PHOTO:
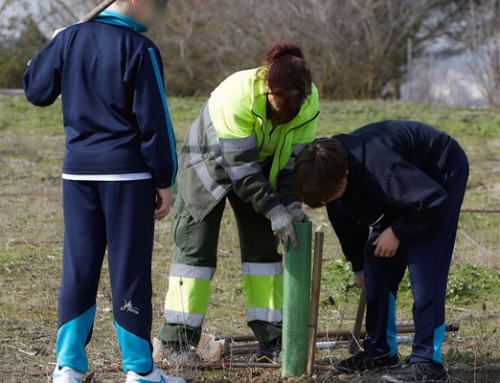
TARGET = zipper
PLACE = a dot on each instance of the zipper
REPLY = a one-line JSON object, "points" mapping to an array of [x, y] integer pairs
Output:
{"points": [[272, 131], [261, 121], [286, 134]]}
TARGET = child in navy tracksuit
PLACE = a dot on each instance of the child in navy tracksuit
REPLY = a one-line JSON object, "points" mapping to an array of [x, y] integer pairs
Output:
{"points": [[405, 180], [119, 165]]}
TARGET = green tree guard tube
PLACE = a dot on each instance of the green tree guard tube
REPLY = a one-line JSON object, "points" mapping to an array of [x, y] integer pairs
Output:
{"points": [[296, 300]]}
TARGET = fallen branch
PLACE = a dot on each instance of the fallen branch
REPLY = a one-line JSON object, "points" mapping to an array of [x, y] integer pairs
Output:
{"points": [[36, 242], [342, 334], [477, 244], [250, 348], [480, 210]]}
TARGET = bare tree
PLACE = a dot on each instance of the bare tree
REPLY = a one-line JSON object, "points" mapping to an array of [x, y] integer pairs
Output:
{"points": [[4, 5], [59, 13], [482, 39], [355, 47]]}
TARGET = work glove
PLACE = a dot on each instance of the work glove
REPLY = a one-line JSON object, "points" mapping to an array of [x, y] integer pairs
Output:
{"points": [[282, 225], [295, 209]]}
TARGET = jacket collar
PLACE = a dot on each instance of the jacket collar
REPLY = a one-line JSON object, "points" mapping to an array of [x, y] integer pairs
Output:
{"points": [[115, 18], [259, 93], [357, 199]]}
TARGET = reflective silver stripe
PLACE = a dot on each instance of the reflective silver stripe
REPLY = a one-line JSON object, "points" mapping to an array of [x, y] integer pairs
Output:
{"points": [[238, 144], [262, 269], [176, 317], [239, 172], [264, 315], [291, 164], [298, 148], [215, 149], [200, 166], [196, 272]]}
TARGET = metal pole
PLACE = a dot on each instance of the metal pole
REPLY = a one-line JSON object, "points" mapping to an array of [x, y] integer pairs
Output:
{"points": [[333, 345]]}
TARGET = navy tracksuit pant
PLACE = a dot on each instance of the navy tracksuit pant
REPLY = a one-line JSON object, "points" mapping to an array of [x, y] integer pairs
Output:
{"points": [[119, 216], [428, 260]]}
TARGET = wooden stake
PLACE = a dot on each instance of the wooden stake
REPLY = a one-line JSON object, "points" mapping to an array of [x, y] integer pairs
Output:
{"points": [[97, 10], [315, 293], [358, 323]]}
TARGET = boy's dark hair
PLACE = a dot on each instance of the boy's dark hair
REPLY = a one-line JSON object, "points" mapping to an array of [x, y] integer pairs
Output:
{"points": [[320, 171]]}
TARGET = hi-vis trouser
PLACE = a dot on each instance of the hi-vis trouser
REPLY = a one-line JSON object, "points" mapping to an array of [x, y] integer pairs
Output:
{"points": [[195, 261]]}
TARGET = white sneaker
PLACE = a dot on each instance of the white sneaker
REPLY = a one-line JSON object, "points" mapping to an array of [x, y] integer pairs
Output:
{"points": [[67, 375], [157, 376]]}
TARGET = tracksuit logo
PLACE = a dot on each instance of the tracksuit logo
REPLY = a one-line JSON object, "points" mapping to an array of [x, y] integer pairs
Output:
{"points": [[129, 307]]}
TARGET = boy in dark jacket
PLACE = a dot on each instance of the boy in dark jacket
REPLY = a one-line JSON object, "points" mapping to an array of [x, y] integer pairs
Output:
{"points": [[406, 181], [119, 165]]}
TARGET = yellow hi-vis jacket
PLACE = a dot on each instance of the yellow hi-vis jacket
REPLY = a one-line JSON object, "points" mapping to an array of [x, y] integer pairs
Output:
{"points": [[232, 145]]}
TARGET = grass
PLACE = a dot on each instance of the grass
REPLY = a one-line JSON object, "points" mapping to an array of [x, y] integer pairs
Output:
{"points": [[31, 228]]}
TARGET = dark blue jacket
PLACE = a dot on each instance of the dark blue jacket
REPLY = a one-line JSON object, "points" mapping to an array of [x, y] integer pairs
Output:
{"points": [[398, 177], [115, 112]]}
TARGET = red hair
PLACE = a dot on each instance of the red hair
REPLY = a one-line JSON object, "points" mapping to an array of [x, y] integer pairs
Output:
{"points": [[289, 79]]}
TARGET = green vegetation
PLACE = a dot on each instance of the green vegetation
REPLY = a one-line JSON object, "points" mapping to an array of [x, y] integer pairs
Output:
{"points": [[20, 118], [20, 40], [467, 285], [31, 152]]}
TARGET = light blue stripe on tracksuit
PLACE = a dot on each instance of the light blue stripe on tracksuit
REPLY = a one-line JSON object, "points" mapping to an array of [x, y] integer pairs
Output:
{"points": [[136, 352], [392, 329], [165, 107], [437, 342], [71, 340]]}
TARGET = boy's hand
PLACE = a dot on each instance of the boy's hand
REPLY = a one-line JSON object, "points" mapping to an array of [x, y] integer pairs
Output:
{"points": [[163, 203], [387, 244], [360, 279]]}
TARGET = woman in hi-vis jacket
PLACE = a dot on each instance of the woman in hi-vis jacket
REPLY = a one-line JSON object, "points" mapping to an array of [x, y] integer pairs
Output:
{"points": [[241, 148]]}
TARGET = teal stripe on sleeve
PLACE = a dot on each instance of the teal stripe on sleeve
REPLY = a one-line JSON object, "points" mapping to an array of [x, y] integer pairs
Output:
{"points": [[171, 135]]}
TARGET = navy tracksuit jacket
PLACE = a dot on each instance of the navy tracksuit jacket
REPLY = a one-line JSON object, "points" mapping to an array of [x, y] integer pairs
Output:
{"points": [[411, 177], [120, 146], [115, 114]]}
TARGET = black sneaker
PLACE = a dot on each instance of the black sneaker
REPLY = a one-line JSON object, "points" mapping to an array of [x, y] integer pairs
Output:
{"points": [[362, 362], [175, 353], [418, 372], [268, 354]]}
